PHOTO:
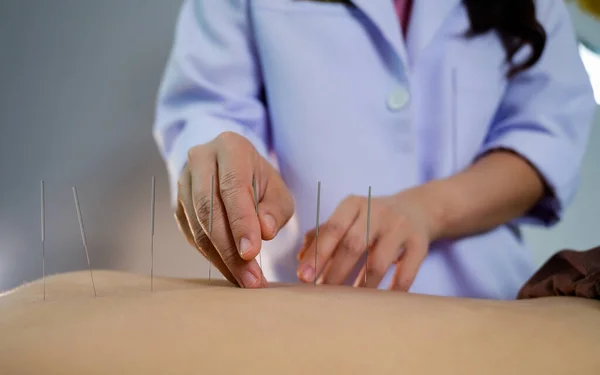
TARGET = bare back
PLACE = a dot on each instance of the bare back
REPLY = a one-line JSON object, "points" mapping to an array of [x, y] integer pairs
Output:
{"points": [[191, 327]]}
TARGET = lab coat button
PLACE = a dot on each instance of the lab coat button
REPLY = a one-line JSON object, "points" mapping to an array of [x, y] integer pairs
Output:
{"points": [[398, 99]]}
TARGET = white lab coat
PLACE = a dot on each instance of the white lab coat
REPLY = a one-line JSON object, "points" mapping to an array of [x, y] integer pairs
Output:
{"points": [[351, 104]]}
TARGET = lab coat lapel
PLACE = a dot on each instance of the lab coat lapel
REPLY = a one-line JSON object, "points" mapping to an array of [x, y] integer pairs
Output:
{"points": [[426, 19], [383, 15]]}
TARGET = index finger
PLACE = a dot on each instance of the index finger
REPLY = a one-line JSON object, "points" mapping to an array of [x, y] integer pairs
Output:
{"points": [[330, 235], [236, 174], [203, 165]]}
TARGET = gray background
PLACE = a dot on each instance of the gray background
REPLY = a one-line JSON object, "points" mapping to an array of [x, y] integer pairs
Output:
{"points": [[77, 85]]}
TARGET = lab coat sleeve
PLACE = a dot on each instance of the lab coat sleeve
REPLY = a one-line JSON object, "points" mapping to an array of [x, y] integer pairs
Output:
{"points": [[546, 115], [211, 83]]}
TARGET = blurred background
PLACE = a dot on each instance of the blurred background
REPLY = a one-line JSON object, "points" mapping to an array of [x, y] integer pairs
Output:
{"points": [[78, 79]]}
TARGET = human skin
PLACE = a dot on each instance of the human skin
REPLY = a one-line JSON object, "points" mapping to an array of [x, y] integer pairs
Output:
{"points": [[497, 188], [191, 327]]}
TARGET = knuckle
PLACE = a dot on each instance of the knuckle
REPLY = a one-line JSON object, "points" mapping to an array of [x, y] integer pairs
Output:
{"points": [[336, 228], [233, 141], [228, 137], [202, 206], [194, 152], [238, 222], [353, 244], [230, 184], [352, 199]]}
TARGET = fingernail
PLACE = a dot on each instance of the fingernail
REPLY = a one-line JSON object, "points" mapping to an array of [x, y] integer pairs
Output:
{"points": [[269, 222], [306, 273], [248, 279], [245, 245]]}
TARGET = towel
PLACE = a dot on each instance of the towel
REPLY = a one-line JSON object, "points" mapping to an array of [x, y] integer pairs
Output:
{"points": [[567, 273]]}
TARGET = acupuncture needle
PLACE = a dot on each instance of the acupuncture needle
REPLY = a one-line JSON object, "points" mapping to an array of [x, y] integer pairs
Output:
{"points": [[317, 229], [152, 215], [82, 230], [368, 229], [43, 203], [210, 222], [256, 209]]}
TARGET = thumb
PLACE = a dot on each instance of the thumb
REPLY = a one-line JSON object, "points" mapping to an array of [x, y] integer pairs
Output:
{"points": [[308, 240], [275, 206]]}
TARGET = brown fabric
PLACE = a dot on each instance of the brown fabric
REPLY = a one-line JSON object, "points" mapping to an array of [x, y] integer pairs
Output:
{"points": [[567, 273]]}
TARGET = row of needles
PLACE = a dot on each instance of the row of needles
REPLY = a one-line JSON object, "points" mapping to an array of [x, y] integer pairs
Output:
{"points": [[210, 227], [83, 236]]}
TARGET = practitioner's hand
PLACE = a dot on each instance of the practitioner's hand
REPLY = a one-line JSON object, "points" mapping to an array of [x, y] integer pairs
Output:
{"points": [[237, 231], [401, 229]]}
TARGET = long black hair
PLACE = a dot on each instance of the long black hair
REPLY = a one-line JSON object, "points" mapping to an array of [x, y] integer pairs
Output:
{"points": [[515, 23]]}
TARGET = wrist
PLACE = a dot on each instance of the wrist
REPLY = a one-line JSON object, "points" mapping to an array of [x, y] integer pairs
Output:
{"points": [[435, 201], [439, 206]]}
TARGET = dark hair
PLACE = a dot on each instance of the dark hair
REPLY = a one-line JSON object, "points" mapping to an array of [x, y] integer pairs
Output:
{"points": [[515, 23]]}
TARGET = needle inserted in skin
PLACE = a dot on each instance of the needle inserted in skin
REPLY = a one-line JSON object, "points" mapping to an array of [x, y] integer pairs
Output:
{"points": [[210, 222], [368, 229], [87, 254], [43, 203], [317, 228], [256, 209], [152, 214]]}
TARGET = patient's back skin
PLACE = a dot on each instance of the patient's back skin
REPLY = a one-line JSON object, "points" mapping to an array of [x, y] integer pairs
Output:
{"points": [[191, 327]]}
